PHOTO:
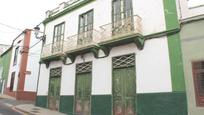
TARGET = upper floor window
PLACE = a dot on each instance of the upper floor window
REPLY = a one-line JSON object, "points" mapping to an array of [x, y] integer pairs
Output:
{"points": [[58, 32], [194, 3], [85, 27], [198, 75], [122, 16], [121, 9], [58, 37], [15, 56]]}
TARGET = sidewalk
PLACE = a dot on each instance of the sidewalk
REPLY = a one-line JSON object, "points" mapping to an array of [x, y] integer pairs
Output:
{"points": [[26, 107], [6, 97], [33, 110]]}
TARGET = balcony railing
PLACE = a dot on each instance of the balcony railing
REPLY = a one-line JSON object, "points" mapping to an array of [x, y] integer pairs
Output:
{"points": [[122, 28], [82, 40], [52, 49], [63, 6]]}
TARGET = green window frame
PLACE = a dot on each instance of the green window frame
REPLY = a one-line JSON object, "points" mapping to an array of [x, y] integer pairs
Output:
{"points": [[85, 27], [121, 9], [59, 32], [58, 37]]}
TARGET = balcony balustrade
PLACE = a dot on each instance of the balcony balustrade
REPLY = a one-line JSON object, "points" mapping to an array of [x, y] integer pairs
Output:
{"points": [[82, 40], [123, 28], [52, 49], [63, 6]]}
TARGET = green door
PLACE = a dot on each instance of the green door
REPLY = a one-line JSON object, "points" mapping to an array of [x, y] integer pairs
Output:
{"points": [[83, 93], [54, 89], [124, 86], [54, 93]]}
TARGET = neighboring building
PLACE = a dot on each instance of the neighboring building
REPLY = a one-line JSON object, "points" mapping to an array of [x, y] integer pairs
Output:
{"points": [[120, 57], [23, 72], [3, 48], [192, 37], [5, 58]]}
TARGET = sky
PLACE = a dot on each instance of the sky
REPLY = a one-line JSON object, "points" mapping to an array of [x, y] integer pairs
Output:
{"points": [[22, 14]]}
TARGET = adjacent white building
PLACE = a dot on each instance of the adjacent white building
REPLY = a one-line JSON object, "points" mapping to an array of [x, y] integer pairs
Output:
{"points": [[192, 39], [23, 71]]}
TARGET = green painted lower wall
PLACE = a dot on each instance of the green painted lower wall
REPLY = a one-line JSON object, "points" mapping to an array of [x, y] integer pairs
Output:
{"points": [[41, 101], [172, 103], [162, 104], [101, 105], [66, 104]]}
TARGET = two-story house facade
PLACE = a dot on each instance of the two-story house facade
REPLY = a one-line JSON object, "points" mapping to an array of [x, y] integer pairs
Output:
{"points": [[112, 57], [23, 67]]}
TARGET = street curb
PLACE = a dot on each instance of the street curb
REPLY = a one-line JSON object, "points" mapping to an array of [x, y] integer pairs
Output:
{"points": [[22, 111]]}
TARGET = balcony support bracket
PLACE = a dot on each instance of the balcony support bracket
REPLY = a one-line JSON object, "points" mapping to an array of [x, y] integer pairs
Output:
{"points": [[95, 50], [139, 42], [100, 51], [47, 63], [68, 59]]}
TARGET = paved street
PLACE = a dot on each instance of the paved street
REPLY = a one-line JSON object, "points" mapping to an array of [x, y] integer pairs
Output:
{"points": [[7, 104], [7, 110]]}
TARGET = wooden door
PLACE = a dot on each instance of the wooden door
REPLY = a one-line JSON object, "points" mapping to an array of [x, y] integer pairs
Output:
{"points": [[83, 89], [54, 89], [124, 87], [54, 93], [12, 81], [83, 93]]}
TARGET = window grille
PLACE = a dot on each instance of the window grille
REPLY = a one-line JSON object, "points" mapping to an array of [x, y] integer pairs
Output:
{"points": [[56, 72], [123, 61], [84, 67]]}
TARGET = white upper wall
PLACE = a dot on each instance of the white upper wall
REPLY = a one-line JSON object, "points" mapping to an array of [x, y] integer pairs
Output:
{"points": [[187, 11], [151, 12], [152, 65]]}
